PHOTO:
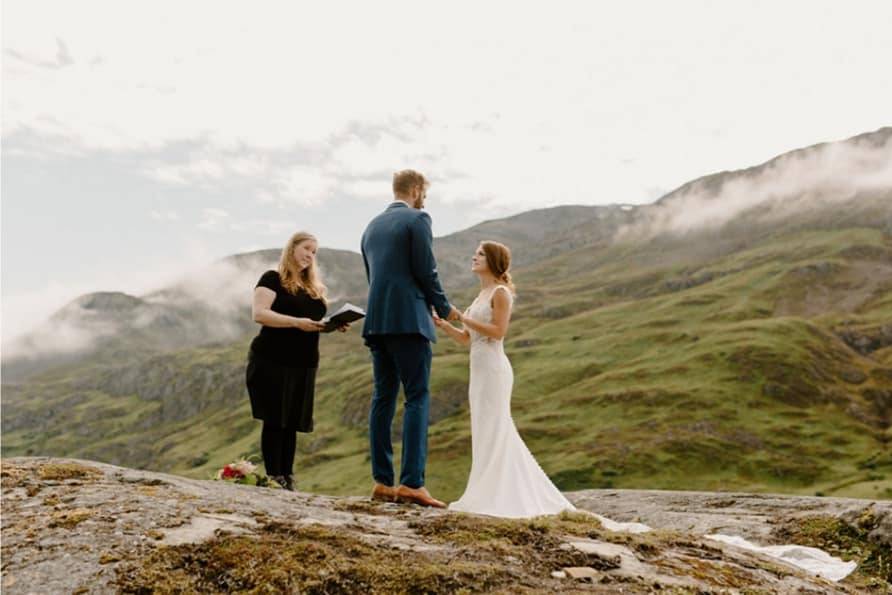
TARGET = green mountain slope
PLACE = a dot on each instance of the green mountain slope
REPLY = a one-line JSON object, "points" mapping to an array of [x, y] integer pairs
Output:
{"points": [[766, 369]]}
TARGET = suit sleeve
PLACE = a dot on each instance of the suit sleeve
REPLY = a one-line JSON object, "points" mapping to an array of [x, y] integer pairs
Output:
{"points": [[365, 261], [424, 265]]}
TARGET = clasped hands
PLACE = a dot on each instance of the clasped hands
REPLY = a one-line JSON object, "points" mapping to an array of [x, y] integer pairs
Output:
{"points": [[454, 315]]}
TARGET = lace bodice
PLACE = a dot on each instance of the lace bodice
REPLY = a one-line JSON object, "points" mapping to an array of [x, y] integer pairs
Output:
{"points": [[481, 310]]}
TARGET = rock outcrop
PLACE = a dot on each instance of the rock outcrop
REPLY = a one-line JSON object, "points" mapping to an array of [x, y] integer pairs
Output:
{"points": [[81, 527]]}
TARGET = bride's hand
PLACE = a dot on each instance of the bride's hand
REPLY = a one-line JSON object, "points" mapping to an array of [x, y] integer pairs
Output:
{"points": [[443, 324]]}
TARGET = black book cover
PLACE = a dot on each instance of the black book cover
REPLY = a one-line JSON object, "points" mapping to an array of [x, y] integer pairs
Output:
{"points": [[345, 314]]}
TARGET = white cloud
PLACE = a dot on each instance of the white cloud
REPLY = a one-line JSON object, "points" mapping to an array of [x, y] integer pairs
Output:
{"points": [[549, 110], [212, 219], [372, 189], [209, 167], [247, 165], [303, 185], [168, 174], [198, 171], [264, 227], [165, 215]]}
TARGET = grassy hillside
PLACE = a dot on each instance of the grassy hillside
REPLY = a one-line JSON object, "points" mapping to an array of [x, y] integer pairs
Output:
{"points": [[766, 368]]}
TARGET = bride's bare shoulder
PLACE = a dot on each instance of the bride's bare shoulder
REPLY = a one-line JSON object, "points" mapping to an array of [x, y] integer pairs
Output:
{"points": [[506, 297], [507, 292]]}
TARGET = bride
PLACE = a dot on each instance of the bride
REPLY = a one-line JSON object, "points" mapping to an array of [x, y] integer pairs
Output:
{"points": [[505, 480]]}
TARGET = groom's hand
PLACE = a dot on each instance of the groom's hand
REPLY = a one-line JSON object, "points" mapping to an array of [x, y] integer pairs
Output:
{"points": [[454, 314]]}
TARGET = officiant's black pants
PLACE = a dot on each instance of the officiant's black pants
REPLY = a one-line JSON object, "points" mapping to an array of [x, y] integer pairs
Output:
{"points": [[278, 446]]}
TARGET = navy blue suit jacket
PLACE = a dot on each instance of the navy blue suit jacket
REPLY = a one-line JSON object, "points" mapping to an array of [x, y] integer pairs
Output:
{"points": [[397, 250]]}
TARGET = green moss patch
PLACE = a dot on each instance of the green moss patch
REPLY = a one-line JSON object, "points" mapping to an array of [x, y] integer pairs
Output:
{"points": [[308, 559], [540, 544], [486, 554], [70, 518], [465, 529], [63, 471], [12, 475]]}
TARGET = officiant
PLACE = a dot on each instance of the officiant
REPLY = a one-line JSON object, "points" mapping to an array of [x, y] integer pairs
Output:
{"points": [[289, 303]]}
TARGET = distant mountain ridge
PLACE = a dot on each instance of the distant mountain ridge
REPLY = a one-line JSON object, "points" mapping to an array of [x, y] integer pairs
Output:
{"points": [[211, 304]]}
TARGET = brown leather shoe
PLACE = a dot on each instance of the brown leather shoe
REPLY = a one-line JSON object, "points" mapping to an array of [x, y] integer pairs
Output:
{"points": [[419, 496], [383, 493]]}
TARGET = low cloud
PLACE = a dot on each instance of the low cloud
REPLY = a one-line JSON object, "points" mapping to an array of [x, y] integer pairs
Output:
{"points": [[212, 302], [800, 182], [224, 285], [25, 311]]}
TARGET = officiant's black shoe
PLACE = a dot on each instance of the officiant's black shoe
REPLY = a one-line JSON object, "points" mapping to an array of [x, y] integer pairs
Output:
{"points": [[289, 483], [383, 493], [419, 496]]}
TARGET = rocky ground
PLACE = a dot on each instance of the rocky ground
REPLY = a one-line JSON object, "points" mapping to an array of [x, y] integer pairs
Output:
{"points": [[82, 527]]}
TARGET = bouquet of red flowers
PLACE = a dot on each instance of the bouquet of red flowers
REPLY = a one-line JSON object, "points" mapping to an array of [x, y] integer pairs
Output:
{"points": [[244, 472]]}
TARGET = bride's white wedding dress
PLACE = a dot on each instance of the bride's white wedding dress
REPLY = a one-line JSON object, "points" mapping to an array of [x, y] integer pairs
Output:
{"points": [[505, 480]]}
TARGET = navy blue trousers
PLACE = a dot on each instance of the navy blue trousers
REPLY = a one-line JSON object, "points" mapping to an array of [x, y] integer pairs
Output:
{"points": [[406, 360]]}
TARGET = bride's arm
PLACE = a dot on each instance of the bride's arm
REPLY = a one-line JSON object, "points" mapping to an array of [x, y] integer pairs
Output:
{"points": [[461, 336], [501, 317]]}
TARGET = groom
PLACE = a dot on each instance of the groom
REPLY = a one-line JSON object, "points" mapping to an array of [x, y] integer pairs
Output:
{"points": [[398, 329]]}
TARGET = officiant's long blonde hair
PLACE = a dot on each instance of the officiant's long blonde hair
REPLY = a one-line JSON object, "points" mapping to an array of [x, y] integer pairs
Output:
{"points": [[293, 279]]}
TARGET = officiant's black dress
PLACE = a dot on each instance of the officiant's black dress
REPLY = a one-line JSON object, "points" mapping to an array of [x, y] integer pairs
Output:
{"points": [[282, 362]]}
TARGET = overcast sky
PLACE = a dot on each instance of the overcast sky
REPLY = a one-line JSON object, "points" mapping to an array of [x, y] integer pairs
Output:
{"points": [[142, 140]]}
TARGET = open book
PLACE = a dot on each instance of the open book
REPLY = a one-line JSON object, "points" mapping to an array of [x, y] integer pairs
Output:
{"points": [[346, 313]]}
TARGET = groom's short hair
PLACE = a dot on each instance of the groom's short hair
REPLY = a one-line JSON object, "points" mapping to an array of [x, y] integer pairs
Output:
{"points": [[404, 181]]}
